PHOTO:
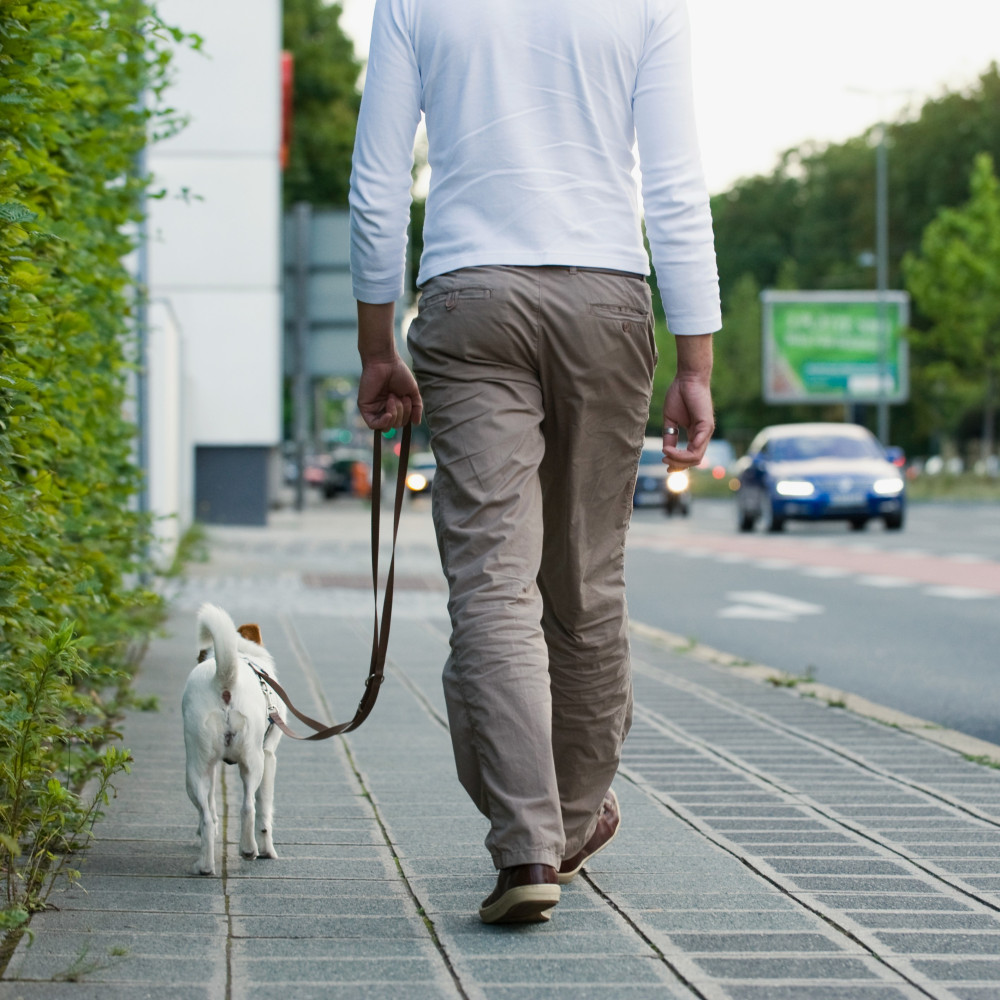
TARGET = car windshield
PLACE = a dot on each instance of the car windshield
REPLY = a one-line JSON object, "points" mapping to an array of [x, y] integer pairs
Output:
{"points": [[799, 449]]}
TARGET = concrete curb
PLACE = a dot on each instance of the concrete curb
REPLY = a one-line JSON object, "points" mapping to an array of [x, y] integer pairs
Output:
{"points": [[971, 747]]}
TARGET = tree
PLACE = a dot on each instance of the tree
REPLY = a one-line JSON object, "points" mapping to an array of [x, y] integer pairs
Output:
{"points": [[737, 376], [325, 104], [955, 282]]}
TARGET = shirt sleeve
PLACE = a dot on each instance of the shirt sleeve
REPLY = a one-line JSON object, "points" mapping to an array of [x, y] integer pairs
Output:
{"points": [[675, 197], [383, 159]]}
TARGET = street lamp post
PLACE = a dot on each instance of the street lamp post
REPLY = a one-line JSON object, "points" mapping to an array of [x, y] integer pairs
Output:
{"points": [[882, 253], [882, 277]]}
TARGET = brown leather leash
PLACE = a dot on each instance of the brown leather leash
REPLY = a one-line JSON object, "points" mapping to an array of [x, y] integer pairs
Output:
{"points": [[380, 637]]}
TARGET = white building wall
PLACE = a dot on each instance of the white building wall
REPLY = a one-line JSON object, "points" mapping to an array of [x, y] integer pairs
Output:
{"points": [[168, 481], [214, 240]]}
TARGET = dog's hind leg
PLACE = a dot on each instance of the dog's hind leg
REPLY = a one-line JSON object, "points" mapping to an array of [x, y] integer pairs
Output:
{"points": [[252, 773], [265, 806], [212, 799], [199, 788]]}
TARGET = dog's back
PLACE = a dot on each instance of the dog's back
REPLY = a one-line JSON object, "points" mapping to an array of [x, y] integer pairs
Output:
{"points": [[218, 700]]}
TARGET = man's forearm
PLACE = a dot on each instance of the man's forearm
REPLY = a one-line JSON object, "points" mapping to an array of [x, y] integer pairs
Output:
{"points": [[694, 356], [376, 336]]}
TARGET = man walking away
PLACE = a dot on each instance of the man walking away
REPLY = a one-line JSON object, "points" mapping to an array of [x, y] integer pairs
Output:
{"points": [[534, 354]]}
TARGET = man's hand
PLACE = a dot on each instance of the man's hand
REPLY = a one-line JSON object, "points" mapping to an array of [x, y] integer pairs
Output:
{"points": [[388, 395], [387, 391], [688, 403]]}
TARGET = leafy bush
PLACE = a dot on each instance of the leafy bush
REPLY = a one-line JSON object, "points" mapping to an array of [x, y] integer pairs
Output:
{"points": [[77, 78]]}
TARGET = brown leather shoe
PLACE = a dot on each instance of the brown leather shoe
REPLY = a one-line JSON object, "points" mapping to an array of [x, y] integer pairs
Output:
{"points": [[523, 894], [608, 824]]}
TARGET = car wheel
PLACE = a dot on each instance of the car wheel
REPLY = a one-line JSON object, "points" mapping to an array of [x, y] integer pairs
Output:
{"points": [[858, 523], [894, 521]]}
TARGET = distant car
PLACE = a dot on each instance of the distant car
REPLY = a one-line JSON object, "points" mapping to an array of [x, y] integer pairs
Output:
{"points": [[819, 471], [421, 474], [655, 487], [339, 472], [719, 459]]}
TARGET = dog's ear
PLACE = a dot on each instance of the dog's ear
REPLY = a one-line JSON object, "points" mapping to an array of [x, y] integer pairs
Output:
{"points": [[251, 633]]}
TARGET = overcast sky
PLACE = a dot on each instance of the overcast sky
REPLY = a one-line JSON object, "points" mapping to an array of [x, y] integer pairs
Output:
{"points": [[773, 74]]}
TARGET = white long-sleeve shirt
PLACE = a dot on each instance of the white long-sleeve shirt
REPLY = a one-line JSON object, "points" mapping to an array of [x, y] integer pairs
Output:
{"points": [[533, 109]]}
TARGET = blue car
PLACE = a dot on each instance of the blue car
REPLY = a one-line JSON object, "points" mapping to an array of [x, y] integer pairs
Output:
{"points": [[813, 472]]}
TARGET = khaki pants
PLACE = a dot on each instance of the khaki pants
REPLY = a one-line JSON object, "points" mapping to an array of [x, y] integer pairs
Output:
{"points": [[536, 384]]}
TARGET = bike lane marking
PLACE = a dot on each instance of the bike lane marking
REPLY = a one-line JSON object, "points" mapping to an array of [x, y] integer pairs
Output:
{"points": [[953, 575]]}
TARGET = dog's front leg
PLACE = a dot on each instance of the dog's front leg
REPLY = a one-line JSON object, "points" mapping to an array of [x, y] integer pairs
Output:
{"points": [[251, 773], [265, 806]]}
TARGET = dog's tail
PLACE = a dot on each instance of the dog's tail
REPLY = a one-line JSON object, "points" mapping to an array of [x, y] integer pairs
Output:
{"points": [[216, 628]]}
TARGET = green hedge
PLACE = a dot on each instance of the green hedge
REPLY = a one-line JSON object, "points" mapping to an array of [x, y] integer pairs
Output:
{"points": [[79, 92]]}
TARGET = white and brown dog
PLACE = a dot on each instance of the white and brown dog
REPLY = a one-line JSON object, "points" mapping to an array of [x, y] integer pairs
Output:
{"points": [[226, 719]]}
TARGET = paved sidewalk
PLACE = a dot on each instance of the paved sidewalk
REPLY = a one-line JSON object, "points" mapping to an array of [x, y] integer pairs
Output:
{"points": [[773, 847]]}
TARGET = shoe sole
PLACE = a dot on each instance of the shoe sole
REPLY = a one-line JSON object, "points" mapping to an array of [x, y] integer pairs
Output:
{"points": [[524, 904], [566, 877]]}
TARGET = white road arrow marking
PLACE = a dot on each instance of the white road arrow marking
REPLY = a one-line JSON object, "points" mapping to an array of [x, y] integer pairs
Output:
{"points": [[759, 605]]}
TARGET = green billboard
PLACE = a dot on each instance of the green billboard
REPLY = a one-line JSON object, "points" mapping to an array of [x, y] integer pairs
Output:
{"points": [[835, 347]]}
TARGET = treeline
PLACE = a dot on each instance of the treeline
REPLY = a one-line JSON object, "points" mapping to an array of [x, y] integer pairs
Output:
{"points": [[811, 225]]}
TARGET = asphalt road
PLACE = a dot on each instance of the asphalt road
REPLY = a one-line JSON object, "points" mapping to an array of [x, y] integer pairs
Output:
{"points": [[909, 619]]}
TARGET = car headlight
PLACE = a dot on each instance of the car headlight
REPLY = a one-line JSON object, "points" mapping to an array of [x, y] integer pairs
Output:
{"points": [[677, 482], [888, 487], [794, 488], [416, 481]]}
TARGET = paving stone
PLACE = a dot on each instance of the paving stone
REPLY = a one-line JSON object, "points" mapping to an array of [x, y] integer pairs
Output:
{"points": [[327, 927], [926, 921], [671, 921], [910, 902], [751, 943], [607, 970], [817, 991], [986, 970], [627, 991], [784, 968], [827, 866], [847, 883], [322, 989], [100, 991], [340, 970], [919, 943]]}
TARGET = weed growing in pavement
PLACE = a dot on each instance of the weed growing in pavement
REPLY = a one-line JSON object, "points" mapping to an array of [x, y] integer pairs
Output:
{"points": [[793, 680], [984, 759], [80, 967], [784, 680]]}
